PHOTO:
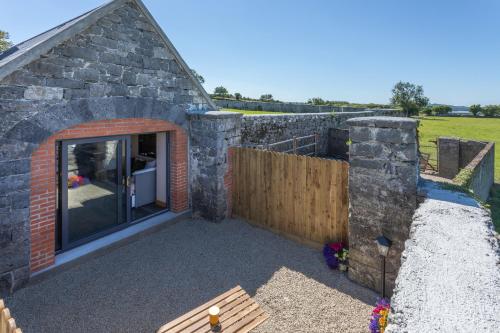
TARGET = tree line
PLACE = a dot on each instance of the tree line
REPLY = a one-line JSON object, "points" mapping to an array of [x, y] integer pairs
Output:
{"points": [[406, 96]]}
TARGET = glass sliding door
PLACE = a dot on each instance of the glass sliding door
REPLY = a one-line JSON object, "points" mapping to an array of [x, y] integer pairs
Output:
{"points": [[94, 191], [106, 184]]}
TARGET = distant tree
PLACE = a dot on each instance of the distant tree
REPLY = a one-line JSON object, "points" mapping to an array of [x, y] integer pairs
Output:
{"points": [[316, 101], [475, 109], [4, 41], [221, 91], [266, 97], [427, 111], [491, 110], [409, 97], [200, 78], [441, 109], [237, 96]]}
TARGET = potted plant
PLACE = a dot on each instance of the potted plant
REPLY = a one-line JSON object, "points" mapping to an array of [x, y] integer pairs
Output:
{"points": [[342, 256], [378, 322], [336, 255]]}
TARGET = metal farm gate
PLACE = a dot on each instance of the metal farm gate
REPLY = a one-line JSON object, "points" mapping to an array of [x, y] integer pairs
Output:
{"points": [[302, 197]]}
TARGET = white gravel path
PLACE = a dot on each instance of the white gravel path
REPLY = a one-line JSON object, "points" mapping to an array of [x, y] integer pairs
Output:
{"points": [[145, 284]]}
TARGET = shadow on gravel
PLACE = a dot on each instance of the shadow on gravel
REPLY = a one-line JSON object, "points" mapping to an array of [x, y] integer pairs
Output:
{"points": [[439, 191], [145, 284]]}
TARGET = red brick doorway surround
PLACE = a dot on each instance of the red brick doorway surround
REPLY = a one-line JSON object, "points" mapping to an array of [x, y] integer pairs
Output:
{"points": [[43, 196]]}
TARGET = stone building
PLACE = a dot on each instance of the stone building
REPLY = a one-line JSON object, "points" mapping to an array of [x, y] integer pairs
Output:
{"points": [[103, 126]]}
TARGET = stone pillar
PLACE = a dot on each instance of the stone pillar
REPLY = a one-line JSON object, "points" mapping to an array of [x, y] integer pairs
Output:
{"points": [[448, 157], [383, 178], [212, 133]]}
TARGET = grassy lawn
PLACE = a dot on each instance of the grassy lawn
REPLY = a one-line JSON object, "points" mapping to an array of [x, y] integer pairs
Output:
{"points": [[468, 128], [247, 112]]}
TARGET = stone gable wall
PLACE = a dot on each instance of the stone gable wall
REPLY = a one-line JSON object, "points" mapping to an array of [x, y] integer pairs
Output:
{"points": [[120, 55], [119, 68]]}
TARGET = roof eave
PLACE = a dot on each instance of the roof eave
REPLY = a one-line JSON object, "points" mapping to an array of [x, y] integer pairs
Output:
{"points": [[45, 46]]}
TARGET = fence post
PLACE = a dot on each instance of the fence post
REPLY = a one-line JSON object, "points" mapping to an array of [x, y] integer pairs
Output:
{"points": [[448, 156], [383, 177]]}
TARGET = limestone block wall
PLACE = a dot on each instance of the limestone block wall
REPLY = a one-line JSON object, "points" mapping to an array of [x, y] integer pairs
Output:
{"points": [[275, 106], [212, 135], [483, 172], [383, 176], [120, 55], [262, 129], [282, 106], [474, 157]]}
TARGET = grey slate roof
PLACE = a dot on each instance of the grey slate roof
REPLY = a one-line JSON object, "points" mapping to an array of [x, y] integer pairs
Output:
{"points": [[17, 50], [31, 49]]}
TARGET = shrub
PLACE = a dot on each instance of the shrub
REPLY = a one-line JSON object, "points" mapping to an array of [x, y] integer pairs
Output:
{"points": [[237, 96]]}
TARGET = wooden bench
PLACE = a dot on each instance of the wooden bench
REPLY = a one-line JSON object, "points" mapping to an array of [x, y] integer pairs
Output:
{"points": [[7, 323], [238, 314]]}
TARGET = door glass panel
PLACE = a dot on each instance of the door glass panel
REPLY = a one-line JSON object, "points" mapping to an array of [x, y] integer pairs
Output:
{"points": [[95, 188]]}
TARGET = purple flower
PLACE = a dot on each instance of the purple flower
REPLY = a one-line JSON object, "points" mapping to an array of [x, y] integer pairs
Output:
{"points": [[384, 302], [374, 324], [331, 260]]}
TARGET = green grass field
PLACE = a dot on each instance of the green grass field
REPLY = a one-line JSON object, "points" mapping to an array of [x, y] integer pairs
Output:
{"points": [[482, 129], [252, 112]]}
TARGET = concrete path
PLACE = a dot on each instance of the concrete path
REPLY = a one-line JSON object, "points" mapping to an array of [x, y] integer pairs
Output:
{"points": [[450, 277], [143, 285]]}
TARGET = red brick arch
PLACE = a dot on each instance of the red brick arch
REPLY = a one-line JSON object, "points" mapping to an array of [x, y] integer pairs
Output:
{"points": [[44, 177]]}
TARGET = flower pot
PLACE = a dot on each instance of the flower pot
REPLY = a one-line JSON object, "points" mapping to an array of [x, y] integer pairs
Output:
{"points": [[343, 267]]}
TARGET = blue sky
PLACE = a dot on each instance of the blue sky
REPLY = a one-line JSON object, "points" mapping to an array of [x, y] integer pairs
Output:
{"points": [[339, 50]]}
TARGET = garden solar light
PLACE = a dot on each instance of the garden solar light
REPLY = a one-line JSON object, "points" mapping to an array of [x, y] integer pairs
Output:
{"points": [[383, 245]]}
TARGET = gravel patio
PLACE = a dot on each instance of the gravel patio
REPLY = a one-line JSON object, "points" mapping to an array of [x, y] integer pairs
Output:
{"points": [[149, 282]]}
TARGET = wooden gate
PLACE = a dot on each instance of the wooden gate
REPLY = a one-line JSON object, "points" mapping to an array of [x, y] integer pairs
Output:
{"points": [[302, 197]]}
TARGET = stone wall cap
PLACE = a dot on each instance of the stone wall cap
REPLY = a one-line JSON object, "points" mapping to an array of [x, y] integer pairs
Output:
{"points": [[297, 115], [383, 122], [213, 114]]}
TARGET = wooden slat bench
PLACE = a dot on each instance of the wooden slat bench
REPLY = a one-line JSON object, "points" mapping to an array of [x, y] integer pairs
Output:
{"points": [[7, 323], [238, 314]]}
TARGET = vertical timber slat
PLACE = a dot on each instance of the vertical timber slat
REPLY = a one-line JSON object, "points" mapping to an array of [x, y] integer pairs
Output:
{"points": [[299, 196]]}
